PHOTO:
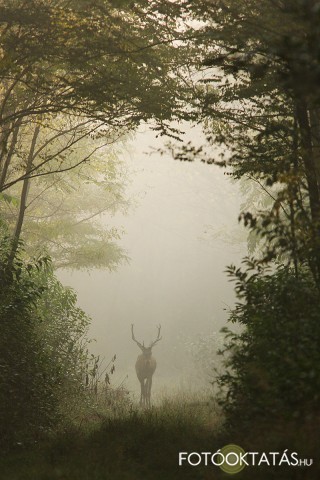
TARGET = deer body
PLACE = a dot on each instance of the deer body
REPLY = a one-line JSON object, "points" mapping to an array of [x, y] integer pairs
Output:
{"points": [[145, 368]]}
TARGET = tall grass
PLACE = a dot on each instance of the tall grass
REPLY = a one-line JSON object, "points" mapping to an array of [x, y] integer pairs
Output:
{"points": [[131, 443]]}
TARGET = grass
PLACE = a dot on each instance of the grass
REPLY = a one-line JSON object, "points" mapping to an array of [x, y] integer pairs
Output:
{"points": [[137, 445]]}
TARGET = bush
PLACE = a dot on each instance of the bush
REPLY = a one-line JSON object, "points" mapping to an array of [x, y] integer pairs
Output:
{"points": [[27, 397], [43, 354], [62, 329], [273, 364]]}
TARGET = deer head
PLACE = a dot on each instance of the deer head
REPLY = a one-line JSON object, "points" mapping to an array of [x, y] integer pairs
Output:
{"points": [[147, 351]]}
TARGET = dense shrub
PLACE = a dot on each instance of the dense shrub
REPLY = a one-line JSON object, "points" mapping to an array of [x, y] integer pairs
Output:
{"points": [[43, 351], [273, 363], [27, 399], [62, 328]]}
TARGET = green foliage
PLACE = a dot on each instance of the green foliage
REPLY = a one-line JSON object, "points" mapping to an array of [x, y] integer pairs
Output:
{"points": [[43, 351], [8, 199], [259, 100], [66, 212], [62, 328], [74, 79], [273, 364], [27, 397], [97, 59]]}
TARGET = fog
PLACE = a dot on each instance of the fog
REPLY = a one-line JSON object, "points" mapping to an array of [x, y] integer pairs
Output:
{"points": [[180, 235]]}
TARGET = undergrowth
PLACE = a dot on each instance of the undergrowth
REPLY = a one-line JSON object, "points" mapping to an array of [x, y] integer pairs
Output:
{"points": [[138, 444]]}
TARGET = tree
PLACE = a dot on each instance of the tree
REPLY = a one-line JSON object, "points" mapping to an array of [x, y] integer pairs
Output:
{"points": [[96, 69], [259, 100], [59, 208], [106, 61], [257, 106]]}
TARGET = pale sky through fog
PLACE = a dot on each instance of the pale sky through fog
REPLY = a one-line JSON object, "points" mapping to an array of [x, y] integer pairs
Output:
{"points": [[180, 237]]}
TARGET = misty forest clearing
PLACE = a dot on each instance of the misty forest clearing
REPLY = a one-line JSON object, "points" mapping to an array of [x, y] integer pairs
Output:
{"points": [[159, 239]]}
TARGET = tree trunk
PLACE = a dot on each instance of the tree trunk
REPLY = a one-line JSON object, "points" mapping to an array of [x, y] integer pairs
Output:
{"points": [[315, 138], [310, 154], [6, 163], [23, 199], [4, 137]]}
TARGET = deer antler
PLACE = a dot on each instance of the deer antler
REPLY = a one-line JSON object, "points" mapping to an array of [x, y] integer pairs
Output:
{"points": [[133, 338], [158, 337]]}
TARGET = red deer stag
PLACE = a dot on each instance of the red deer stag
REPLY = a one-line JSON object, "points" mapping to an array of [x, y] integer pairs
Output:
{"points": [[145, 368]]}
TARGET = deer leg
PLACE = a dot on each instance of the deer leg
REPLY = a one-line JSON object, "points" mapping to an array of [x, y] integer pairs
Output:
{"points": [[146, 392], [142, 395], [149, 385]]}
